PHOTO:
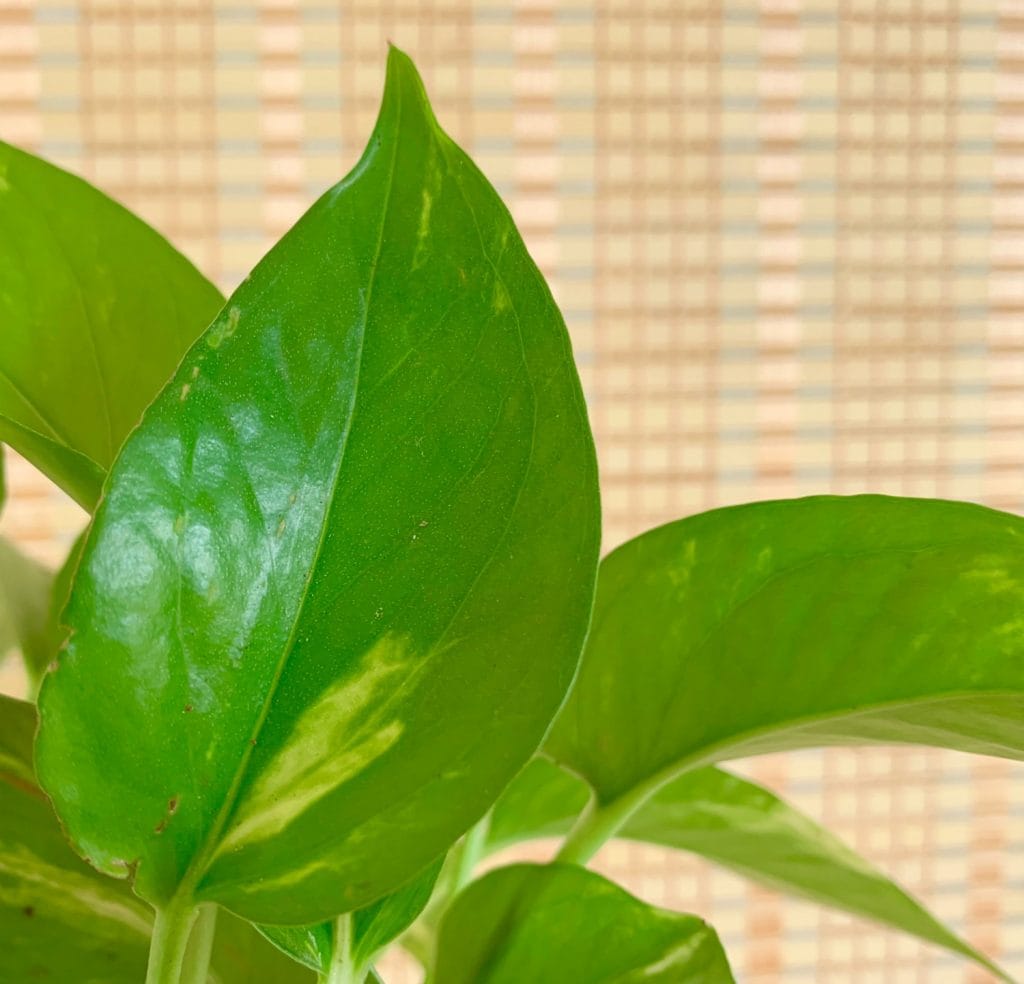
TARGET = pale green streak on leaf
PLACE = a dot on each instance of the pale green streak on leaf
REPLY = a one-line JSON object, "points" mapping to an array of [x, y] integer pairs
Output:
{"points": [[786, 624], [96, 310], [62, 921], [351, 725], [25, 877], [561, 923], [734, 823], [357, 450]]}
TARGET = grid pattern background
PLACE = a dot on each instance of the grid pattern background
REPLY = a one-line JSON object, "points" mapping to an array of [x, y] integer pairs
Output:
{"points": [[787, 237]]}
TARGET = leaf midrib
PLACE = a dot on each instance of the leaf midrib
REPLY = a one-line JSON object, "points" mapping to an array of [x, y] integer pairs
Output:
{"points": [[208, 847]]}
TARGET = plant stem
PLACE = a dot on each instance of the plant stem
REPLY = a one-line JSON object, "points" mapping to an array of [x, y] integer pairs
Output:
{"points": [[200, 946], [170, 940], [343, 969], [599, 823]]}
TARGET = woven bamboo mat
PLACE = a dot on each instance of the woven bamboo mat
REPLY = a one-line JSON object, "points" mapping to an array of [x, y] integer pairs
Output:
{"points": [[788, 239]]}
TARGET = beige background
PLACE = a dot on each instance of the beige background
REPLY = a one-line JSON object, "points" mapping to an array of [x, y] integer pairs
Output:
{"points": [[788, 239]]}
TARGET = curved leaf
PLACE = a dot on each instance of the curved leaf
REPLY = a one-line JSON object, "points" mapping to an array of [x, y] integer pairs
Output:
{"points": [[371, 928], [346, 561], [96, 310], [60, 920], [807, 622], [737, 824], [563, 923]]}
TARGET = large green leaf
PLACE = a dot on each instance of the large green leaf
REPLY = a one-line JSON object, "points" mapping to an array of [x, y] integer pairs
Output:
{"points": [[366, 931], [340, 576], [559, 923], [736, 824], [96, 310], [806, 622], [62, 921]]}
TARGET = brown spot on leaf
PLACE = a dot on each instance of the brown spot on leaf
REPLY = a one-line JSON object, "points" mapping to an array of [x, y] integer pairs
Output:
{"points": [[188, 708], [29, 911]]}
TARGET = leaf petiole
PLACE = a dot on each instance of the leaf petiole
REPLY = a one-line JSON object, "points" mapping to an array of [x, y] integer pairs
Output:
{"points": [[171, 931], [200, 946], [344, 969], [599, 823]]}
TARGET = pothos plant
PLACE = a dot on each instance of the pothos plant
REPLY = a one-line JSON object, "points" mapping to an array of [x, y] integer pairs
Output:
{"points": [[319, 653]]}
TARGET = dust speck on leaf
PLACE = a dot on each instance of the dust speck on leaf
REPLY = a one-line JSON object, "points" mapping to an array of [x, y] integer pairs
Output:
{"points": [[185, 391]]}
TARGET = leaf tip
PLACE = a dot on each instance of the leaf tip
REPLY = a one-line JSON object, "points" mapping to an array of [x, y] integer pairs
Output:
{"points": [[404, 84]]}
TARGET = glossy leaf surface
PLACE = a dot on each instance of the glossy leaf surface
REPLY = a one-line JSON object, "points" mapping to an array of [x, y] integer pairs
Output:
{"points": [[735, 823], [806, 622], [565, 925], [96, 310], [62, 921], [356, 539], [372, 928]]}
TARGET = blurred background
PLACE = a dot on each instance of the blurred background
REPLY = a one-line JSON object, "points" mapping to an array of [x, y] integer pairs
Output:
{"points": [[788, 240]]}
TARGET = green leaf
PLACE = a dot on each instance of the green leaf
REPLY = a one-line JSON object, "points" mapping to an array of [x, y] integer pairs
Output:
{"points": [[242, 956], [96, 310], [563, 923], [371, 929], [311, 946], [346, 561], [786, 624], [376, 925], [60, 920], [737, 824], [25, 607]]}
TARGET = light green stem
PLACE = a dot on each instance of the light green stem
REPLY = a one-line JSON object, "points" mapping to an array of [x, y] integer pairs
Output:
{"points": [[599, 823], [344, 969], [171, 931], [200, 945]]}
